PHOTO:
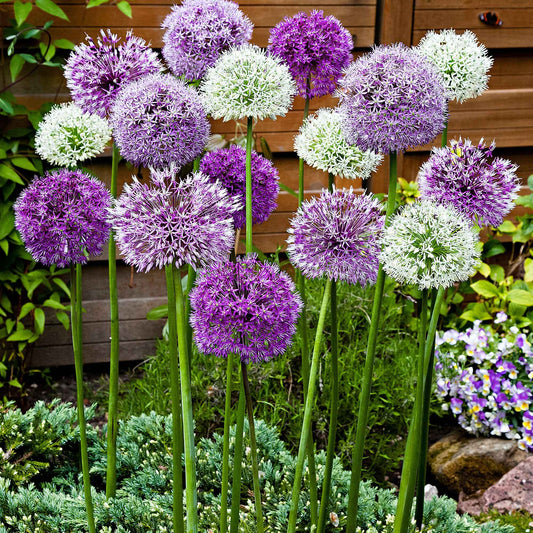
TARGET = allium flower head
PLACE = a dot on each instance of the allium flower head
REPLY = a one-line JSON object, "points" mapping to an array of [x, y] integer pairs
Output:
{"points": [[158, 120], [314, 47], [336, 235], [246, 307], [429, 245], [462, 61], [198, 31], [246, 82], [392, 98], [61, 217], [67, 135], [228, 166], [321, 144], [173, 222], [481, 187], [96, 71]]}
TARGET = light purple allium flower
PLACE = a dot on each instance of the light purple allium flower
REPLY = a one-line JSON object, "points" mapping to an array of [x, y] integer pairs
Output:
{"points": [[336, 235], [229, 167], [247, 307], [314, 47], [61, 217], [392, 98], [158, 120], [96, 71], [174, 222], [480, 186], [198, 31]]}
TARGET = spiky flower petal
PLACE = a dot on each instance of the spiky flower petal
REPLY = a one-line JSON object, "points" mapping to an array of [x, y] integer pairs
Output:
{"points": [[314, 47], [246, 307], [96, 71], [67, 136], [391, 99], [336, 235], [246, 82], [61, 217], [462, 61], [483, 188], [174, 222], [228, 166], [158, 120], [198, 31], [321, 144], [429, 245]]}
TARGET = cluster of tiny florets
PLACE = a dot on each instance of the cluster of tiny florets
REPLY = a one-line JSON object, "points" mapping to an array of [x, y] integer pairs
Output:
{"points": [[315, 47], [462, 61], [228, 166], [247, 307], [198, 31], [336, 235], [67, 135], [174, 222], [158, 120], [62, 217], [321, 144], [97, 71], [392, 99], [246, 82], [429, 245], [480, 186]]}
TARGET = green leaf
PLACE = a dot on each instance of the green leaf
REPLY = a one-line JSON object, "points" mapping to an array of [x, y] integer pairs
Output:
{"points": [[530, 182], [6, 106], [288, 189], [520, 297], [63, 318], [22, 10], [125, 7], [528, 270], [161, 311], [526, 201], [60, 283], [65, 44], [497, 273], [26, 308], [492, 247], [23, 162], [486, 289], [7, 224], [47, 52], [50, 7], [506, 227], [8, 173], [39, 320], [475, 312], [29, 58], [516, 311], [4, 245], [521, 236], [20, 335], [484, 269], [15, 66], [95, 3], [54, 304], [14, 383]]}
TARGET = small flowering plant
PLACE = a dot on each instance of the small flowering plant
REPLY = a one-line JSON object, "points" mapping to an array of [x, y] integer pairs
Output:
{"points": [[485, 377]]}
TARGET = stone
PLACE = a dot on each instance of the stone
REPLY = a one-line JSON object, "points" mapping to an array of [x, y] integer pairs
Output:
{"points": [[465, 464]]}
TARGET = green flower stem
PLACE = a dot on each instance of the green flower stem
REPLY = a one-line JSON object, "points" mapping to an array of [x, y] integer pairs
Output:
{"points": [[309, 401], [249, 222], [237, 463], [364, 395], [76, 327], [412, 450], [334, 402], [253, 447], [177, 432], [196, 164], [444, 137], [112, 415], [225, 449], [191, 278]]}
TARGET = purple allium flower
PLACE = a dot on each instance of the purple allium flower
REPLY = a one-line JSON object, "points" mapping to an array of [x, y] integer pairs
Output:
{"points": [[480, 186], [174, 222], [336, 235], [198, 31], [158, 120], [96, 71], [392, 99], [314, 47], [228, 166], [61, 217], [246, 307]]}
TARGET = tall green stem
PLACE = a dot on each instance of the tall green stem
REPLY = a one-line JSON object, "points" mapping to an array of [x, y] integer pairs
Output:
{"points": [[177, 433], [444, 137], [112, 415], [334, 402], [364, 395], [412, 450], [306, 425], [76, 327], [249, 221], [253, 447]]}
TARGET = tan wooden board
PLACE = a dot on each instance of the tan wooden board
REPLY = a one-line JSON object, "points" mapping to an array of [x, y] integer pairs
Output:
{"points": [[460, 19], [491, 5], [495, 37]]}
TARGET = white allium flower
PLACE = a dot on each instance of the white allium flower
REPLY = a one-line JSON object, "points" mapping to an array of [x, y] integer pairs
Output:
{"points": [[67, 135], [320, 143], [462, 61], [429, 245], [246, 82]]}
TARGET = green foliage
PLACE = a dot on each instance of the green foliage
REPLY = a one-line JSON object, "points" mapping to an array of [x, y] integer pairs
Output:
{"points": [[520, 520]]}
